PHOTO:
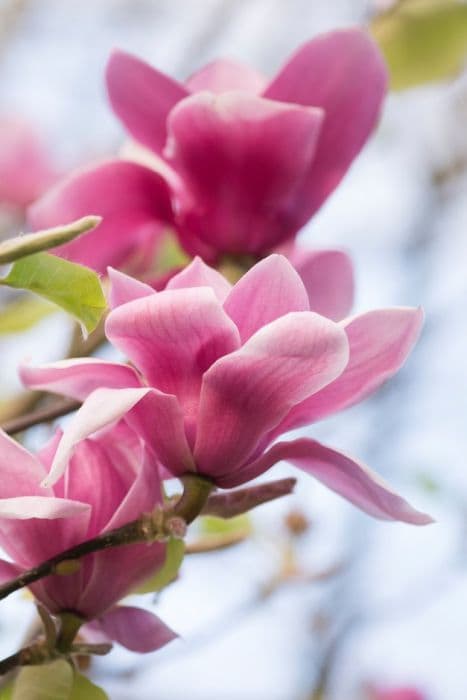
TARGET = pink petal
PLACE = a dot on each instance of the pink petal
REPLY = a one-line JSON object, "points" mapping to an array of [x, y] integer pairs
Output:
{"points": [[245, 394], [344, 73], [380, 342], [267, 291], [78, 378], [92, 478], [41, 507], [223, 75], [328, 278], [142, 98], [124, 288], [8, 571], [136, 629], [123, 569], [103, 407], [198, 274], [21, 471], [133, 200], [173, 337], [34, 528], [155, 416], [352, 480], [241, 157]]}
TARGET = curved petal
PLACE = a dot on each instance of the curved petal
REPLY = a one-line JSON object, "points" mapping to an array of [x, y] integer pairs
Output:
{"points": [[126, 568], [8, 571], [133, 201], [41, 507], [173, 337], [344, 73], [155, 416], [142, 97], [350, 479], [198, 274], [241, 158], [78, 378], [35, 528], [224, 75], [380, 342], [136, 629], [328, 278], [269, 290], [245, 394], [124, 288], [92, 478], [21, 471]]}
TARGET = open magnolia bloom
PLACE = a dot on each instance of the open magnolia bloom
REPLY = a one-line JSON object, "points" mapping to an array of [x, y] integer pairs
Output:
{"points": [[221, 372], [110, 481], [243, 162]]}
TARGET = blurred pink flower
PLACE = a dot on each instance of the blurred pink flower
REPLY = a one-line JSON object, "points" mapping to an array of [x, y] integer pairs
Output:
{"points": [[111, 480], [222, 371], [248, 162], [25, 166], [397, 694]]}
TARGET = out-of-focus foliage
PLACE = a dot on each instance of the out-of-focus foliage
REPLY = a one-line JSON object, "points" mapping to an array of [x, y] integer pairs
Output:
{"points": [[48, 682], [423, 41], [74, 288], [170, 255], [175, 552], [241, 524], [22, 314], [19, 247], [54, 681], [83, 689]]}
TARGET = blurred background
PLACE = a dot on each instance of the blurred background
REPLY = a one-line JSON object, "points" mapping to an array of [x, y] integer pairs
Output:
{"points": [[317, 601]]}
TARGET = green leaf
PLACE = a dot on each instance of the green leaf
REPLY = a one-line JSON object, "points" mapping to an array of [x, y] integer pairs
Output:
{"points": [[83, 689], [52, 681], [211, 525], [422, 40], [22, 314], [72, 287], [174, 553], [29, 243]]}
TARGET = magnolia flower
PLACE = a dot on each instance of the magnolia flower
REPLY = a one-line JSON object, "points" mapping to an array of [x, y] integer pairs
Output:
{"points": [[111, 480], [221, 372], [25, 167], [243, 162]]}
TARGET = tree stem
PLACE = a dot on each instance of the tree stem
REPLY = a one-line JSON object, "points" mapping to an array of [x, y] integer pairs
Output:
{"points": [[54, 410]]}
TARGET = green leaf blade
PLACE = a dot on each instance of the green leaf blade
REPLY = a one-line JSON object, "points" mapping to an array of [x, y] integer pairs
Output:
{"points": [[74, 288], [52, 681], [84, 689], [168, 572]]}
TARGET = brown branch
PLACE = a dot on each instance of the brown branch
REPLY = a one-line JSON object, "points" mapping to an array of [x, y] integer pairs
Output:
{"points": [[149, 527], [58, 408]]}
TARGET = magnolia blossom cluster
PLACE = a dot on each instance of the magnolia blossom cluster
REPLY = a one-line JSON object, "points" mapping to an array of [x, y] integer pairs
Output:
{"points": [[216, 374]]}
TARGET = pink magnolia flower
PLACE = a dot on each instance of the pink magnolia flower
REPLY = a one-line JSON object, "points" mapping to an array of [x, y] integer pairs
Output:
{"points": [[222, 372], [248, 161], [25, 167], [110, 481]]}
